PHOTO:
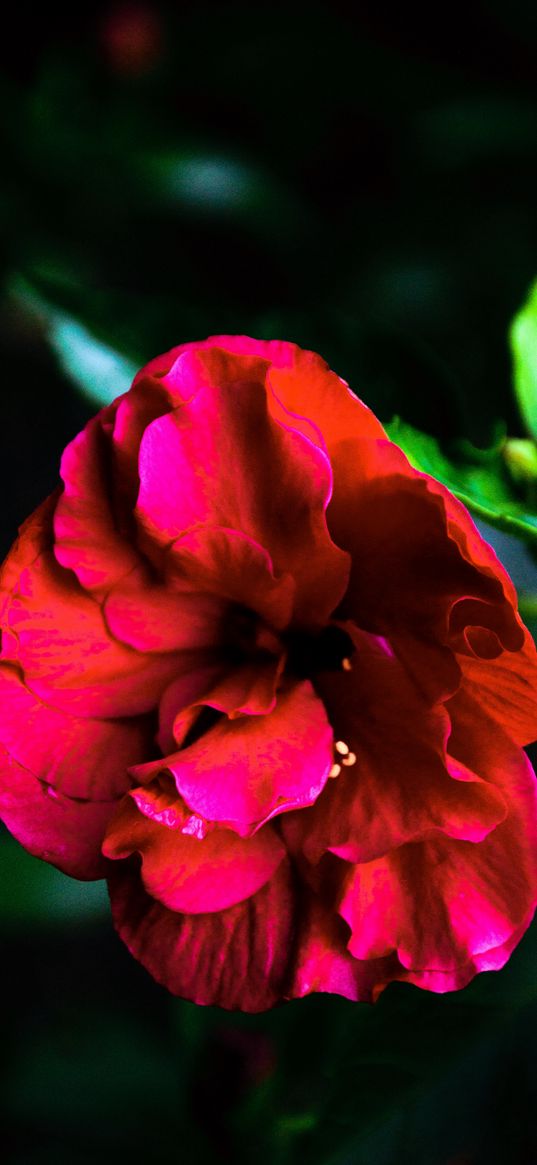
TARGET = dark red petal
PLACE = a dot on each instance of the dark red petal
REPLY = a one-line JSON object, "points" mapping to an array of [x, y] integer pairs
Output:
{"points": [[414, 573], [35, 535], [507, 688], [224, 562], [404, 785], [192, 874], [442, 903], [235, 958], [321, 959], [246, 770], [440, 981], [427, 573], [230, 464]]}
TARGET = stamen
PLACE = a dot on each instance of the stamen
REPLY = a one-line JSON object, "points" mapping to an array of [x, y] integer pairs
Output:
{"points": [[346, 664], [350, 759], [341, 747], [335, 771]]}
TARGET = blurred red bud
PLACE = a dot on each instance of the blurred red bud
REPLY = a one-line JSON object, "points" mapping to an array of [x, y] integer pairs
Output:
{"points": [[131, 35]]}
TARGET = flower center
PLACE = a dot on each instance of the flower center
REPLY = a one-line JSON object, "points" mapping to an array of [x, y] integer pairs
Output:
{"points": [[309, 653], [329, 649]]}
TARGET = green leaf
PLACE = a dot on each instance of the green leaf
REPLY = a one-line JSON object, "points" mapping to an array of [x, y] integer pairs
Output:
{"points": [[98, 370], [523, 338], [483, 487]]}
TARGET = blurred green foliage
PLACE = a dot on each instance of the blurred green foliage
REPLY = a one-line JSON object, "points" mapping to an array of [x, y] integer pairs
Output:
{"points": [[363, 183], [524, 347]]}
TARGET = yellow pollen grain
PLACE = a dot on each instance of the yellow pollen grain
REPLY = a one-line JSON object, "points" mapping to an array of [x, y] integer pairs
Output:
{"points": [[335, 771], [341, 747], [346, 664], [350, 759]]}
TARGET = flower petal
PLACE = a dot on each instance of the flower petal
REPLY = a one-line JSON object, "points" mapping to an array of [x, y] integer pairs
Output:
{"points": [[321, 959], [156, 619], [235, 958], [61, 776], [94, 530], [507, 687], [59, 829], [403, 785], [230, 464], [193, 875], [225, 562], [300, 380], [35, 535], [147, 399], [305, 386], [79, 757], [247, 690], [246, 770], [56, 632], [427, 571], [442, 904], [87, 539]]}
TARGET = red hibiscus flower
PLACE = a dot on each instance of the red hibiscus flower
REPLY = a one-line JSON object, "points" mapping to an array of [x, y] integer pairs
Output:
{"points": [[271, 681]]}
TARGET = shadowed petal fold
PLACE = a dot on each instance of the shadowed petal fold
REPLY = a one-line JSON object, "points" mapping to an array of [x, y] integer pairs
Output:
{"points": [[404, 784], [441, 903], [235, 958]]}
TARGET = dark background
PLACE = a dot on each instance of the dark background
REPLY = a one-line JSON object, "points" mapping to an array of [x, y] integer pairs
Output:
{"points": [[361, 180]]}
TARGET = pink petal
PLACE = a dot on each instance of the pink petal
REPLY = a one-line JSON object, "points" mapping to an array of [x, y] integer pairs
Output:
{"points": [[82, 758], [229, 464], [299, 380], [248, 689], [191, 875], [236, 958], [181, 702], [244, 771], [59, 829], [93, 524], [147, 399], [87, 539]]}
